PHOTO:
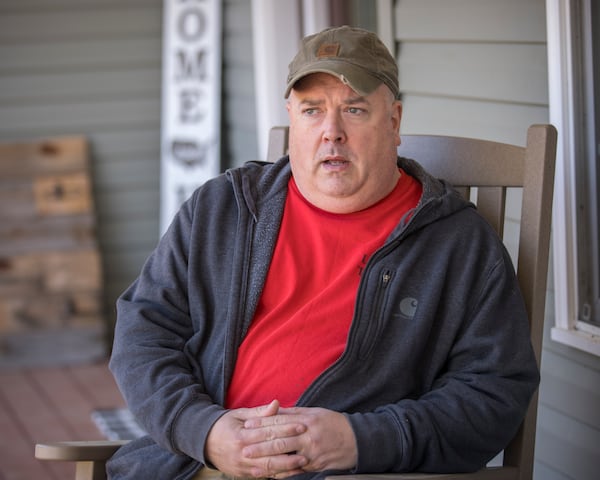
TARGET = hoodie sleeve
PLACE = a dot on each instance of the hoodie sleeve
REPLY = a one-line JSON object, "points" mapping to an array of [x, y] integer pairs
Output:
{"points": [[164, 392]]}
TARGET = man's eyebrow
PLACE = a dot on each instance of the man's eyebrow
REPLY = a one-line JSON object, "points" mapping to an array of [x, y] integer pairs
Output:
{"points": [[348, 101], [355, 100], [310, 102]]}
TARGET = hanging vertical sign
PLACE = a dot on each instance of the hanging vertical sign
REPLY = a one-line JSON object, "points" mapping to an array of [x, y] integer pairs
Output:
{"points": [[191, 100]]}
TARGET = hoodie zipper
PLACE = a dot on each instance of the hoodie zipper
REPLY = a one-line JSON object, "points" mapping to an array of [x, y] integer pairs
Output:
{"points": [[238, 326], [364, 349], [376, 321], [370, 333]]}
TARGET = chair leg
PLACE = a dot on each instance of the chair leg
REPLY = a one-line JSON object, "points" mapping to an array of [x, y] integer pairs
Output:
{"points": [[90, 470]]}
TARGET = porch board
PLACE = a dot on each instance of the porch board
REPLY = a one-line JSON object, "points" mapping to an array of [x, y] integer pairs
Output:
{"points": [[50, 404]]}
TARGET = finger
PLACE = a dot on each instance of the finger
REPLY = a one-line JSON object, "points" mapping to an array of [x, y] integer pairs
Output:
{"points": [[259, 412], [288, 474], [274, 422], [267, 421], [277, 446], [271, 432], [264, 410], [295, 410], [278, 465], [268, 410]]}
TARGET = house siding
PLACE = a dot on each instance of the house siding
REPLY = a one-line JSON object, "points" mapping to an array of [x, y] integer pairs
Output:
{"points": [[478, 68], [93, 68], [240, 140], [473, 68]]}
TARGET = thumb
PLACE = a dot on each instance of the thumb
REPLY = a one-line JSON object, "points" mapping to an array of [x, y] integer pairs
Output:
{"points": [[263, 411], [260, 412], [268, 410]]}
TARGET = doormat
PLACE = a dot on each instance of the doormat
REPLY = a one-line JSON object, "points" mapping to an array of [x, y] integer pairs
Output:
{"points": [[117, 424]]}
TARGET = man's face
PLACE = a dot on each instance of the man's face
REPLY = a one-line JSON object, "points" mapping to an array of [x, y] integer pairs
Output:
{"points": [[342, 145]]}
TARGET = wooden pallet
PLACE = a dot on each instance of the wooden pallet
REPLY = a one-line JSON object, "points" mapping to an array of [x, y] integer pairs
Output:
{"points": [[50, 266]]}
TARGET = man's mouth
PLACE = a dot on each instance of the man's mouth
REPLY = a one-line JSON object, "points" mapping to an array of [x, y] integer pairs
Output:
{"points": [[335, 161]]}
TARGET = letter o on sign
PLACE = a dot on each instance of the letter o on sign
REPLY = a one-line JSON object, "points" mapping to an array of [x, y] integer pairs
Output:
{"points": [[191, 24]]}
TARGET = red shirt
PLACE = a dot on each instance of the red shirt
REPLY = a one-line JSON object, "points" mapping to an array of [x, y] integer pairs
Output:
{"points": [[302, 320]]}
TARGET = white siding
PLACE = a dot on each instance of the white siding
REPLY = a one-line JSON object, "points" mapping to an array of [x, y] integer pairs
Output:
{"points": [[568, 437], [239, 142], [479, 68], [93, 67], [472, 67]]}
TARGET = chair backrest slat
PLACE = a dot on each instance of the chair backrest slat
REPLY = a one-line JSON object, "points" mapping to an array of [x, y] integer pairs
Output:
{"points": [[491, 203]]}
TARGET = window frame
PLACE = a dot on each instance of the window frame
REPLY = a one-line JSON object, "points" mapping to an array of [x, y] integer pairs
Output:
{"points": [[566, 76]]}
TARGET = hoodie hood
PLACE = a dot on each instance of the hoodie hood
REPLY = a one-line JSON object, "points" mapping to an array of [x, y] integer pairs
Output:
{"points": [[258, 184]]}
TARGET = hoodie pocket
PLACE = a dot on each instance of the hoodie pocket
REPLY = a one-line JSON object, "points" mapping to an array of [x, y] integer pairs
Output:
{"points": [[376, 321]]}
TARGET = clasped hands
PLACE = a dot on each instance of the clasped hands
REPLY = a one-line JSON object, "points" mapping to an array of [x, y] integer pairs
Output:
{"points": [[271, 441]]}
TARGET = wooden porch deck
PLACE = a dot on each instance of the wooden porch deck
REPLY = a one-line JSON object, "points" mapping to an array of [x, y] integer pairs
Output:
{"points": [[49, 404]]}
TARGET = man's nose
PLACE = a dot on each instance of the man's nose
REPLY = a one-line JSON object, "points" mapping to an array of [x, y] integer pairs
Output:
{"points": [[333, 130]]}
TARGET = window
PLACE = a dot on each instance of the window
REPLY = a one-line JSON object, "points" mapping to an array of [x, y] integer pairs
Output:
{"points": [[574, 73], [589, 204]]}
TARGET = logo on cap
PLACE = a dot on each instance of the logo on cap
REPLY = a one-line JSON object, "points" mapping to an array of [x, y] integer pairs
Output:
{"points": [[328, 50]]}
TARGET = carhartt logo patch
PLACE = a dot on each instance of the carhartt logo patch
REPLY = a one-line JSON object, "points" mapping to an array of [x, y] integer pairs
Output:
{"points": [[328, 50], [408, 307]]}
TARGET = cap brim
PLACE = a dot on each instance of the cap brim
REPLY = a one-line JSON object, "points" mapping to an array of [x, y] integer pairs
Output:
{"points": [[357, 78]]}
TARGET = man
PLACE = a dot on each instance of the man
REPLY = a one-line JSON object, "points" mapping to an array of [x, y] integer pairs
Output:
{"points": [[339, 310]]}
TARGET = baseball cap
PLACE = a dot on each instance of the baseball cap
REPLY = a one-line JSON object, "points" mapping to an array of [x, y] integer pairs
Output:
{"points": [[354, 55]]}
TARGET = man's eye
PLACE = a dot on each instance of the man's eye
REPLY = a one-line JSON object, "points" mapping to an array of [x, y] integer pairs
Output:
{"points": [[355, 110], [310, 111]]}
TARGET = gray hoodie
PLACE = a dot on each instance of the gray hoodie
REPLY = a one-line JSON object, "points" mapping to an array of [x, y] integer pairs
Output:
{"points": [[438, 370]]}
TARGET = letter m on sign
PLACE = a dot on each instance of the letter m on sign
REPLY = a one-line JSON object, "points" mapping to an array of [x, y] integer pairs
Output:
{"points": [[191, 66]]}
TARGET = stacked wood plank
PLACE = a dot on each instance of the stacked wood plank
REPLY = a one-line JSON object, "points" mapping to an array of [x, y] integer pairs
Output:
{"points": [[50, 267]]}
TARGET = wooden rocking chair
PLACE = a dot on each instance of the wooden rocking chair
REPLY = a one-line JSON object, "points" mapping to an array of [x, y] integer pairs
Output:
{"points": [[466, 163]]}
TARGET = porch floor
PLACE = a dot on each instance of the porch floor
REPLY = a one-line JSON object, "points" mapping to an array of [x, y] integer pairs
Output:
{"points": [[50, 404]]}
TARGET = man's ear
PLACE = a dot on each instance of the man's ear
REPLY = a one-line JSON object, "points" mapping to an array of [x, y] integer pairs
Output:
{"points": [[397, 119]]}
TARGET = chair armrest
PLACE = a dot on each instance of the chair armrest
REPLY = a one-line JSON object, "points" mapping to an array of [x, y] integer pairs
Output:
{"points": [[85, 451], [90, 456], [489, 473]]}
